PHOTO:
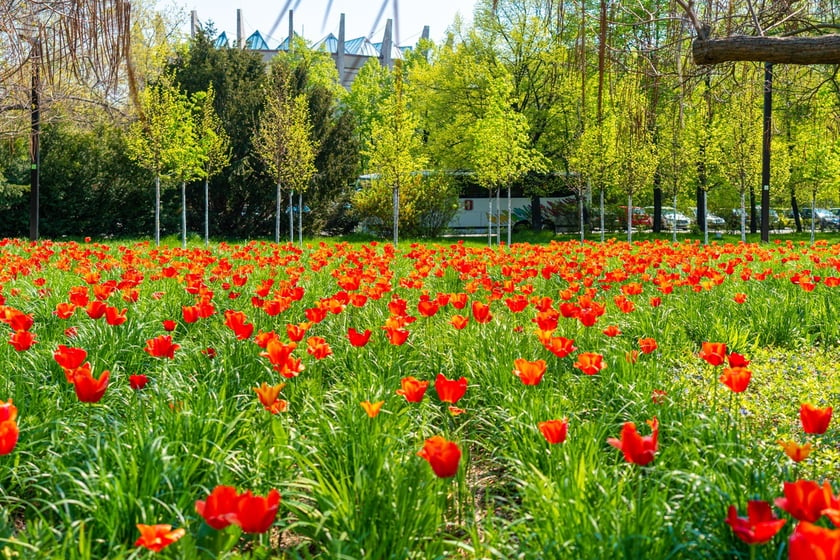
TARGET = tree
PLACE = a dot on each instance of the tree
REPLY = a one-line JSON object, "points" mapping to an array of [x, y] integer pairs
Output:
{"points": [[214, 144], [394, 154], [283, 142], [161, 138], [634, 146], [500, 149]]}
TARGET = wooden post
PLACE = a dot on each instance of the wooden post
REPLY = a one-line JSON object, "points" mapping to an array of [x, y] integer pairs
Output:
{"points": [[765, 152]]}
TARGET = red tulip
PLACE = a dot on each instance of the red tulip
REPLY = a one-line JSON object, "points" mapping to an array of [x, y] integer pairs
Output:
{"points": [[358, 339], [412, 389], [256, 514], [69, 357], [220, 507], [237, 322], [87, 388], [22, 340], [612, 331], [637, 449], [554, 431], [114, 316], [450, 390], [811, 542], [443, 456], [805, 500], [137, 381], [161, 347], [647, 345], [736, 378], [158, 537], [9, 431], [758, 527], [814, 420], [481, 312], [713, 352], [169, 325]]}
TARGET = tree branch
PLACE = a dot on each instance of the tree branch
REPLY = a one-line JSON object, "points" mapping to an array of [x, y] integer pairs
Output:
{"points": [[782, 50]]}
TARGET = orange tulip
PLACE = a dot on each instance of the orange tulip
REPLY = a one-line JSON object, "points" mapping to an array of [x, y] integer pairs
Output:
{"points": [[412, 389], [372, 409], [590, 363], [736, 378], [158, 537], [647, 345], [797, 452], [530, 373]]}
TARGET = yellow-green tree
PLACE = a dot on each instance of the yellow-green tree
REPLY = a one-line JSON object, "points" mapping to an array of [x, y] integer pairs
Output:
{"points": [[162, 138], [394, 155], [214, 144], [500, 153], [284, 143]]}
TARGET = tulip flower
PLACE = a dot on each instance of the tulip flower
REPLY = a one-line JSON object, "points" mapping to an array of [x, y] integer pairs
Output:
{"points": [[68, 357], [450, 390], [814, 420], [647, 345], [713, 352], [805, 500], [137, 381], [797, 452], [590, 363], [530, 373], [372, 409], [87, 388], [158, 537], [161, 347], [412, 389], [318, 348], [219, 507], [736, 378], [9, 431], [256, 514], [811, 542], [358, 339], [443, 456], [459, 321], [554, 431], [481, 312], [759, 526], [637, 449], [22, 340]]}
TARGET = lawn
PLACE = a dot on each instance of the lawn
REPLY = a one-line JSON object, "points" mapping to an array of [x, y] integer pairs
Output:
{"points": [[356, 400]]}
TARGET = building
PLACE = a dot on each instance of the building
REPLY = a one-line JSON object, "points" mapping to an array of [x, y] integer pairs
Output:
{"points": [[349, 55]]}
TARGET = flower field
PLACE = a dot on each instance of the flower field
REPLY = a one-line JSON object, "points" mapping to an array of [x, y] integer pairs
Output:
{"points": [[565, 400]]}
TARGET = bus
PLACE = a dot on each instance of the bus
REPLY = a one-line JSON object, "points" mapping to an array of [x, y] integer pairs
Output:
{"points": [[558, 207]]}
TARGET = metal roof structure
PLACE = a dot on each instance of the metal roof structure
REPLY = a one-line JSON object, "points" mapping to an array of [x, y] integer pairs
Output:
{"points": [[348, 55]]}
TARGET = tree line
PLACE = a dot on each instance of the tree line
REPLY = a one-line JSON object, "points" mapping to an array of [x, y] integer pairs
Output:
{"points": [[606, 92]]}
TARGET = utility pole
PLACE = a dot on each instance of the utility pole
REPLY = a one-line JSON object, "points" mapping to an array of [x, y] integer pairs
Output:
{"points": [[35, 132]]}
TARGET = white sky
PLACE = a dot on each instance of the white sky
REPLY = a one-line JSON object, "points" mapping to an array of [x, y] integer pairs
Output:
{"points": [[360, 17]]}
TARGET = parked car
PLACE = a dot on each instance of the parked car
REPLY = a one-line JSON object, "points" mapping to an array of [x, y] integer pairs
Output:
{"points": [[713, 221], [672, 217], [640, 218], [777, 220], [823, 219]]}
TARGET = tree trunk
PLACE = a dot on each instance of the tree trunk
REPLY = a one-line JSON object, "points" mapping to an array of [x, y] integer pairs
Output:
{"points": [[784, 50], [206, 211], [157, 209], [183, 214]]}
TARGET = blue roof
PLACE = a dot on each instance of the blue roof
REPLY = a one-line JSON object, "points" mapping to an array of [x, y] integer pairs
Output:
{"points": [[256, 42], [221, 40], [328, 44], [395, 50], [360, 46]]}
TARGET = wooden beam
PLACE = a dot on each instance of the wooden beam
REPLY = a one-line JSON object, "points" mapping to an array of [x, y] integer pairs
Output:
{"points": [[824, 49]]}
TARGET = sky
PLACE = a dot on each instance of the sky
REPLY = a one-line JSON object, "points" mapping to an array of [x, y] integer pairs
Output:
{"points": [[309, 17]]}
